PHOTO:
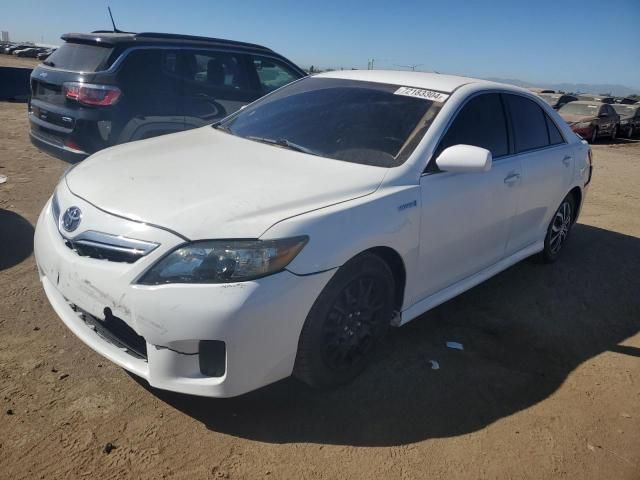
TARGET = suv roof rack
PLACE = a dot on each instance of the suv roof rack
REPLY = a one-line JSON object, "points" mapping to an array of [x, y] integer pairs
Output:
{"points": [[195, 38], [110, 38]]}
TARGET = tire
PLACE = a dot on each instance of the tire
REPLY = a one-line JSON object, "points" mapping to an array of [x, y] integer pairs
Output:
{"points": [[614, 133], [594, 135], [346, 323], [559, 229], [630, 131]]}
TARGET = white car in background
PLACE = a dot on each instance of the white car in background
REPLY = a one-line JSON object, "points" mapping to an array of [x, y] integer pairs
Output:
{"points": [[287, 238]]}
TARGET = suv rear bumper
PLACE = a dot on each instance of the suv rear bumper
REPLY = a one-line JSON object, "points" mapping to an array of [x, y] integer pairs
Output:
{"points": [[56, 149]]}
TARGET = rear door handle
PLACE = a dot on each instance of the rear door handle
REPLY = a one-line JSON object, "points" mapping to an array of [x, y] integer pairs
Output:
{"points": [[567, 160], [511, 178]]}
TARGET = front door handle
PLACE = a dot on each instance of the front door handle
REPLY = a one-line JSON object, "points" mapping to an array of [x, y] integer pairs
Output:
{"points": [[512, 178], [567, 160]]}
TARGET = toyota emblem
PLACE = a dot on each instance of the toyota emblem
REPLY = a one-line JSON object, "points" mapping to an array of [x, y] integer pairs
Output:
{"points": [[71, 219]]}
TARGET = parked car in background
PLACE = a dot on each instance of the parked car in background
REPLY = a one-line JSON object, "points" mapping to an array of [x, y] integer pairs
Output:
{"points": [[287, 238], [29, 52], [629, 119], [591, 120], [539, 90], [10, 49], [627, 101], [103, 88], [44, 55], [597, 98], [557, 100]]}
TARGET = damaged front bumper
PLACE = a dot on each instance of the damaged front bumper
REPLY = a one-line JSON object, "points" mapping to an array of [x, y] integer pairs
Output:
{"points": [[168, 330]]}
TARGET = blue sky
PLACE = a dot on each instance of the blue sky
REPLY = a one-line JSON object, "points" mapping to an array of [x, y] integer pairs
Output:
{"points": [[536, 41]]}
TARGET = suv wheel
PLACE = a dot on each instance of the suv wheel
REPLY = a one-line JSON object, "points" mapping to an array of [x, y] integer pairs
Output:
{"points": [[594, 135], [346, 323], [614, 132]]}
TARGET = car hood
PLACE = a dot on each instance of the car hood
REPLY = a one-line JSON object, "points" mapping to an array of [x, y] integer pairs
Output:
{"points": [[204, 183], [570, 119]]}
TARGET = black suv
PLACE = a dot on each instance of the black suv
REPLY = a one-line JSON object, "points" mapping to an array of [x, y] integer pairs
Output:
{"points": [[104, 88]]}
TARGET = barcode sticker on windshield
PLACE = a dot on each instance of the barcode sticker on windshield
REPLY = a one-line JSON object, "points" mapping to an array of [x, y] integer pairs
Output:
{"points": [[422, 93]]}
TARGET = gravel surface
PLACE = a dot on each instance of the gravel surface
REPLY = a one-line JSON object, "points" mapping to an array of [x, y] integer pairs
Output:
{"points": [[547, 386]]}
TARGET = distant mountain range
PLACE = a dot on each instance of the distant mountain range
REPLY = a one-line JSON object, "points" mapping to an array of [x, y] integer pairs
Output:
{"points": [[599, 88]]}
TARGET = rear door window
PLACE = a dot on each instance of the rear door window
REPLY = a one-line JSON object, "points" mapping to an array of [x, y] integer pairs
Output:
{"points": [[79, 57], [555, 137], [481, 123], [151, 93], [216, 84], [220, 70], [529, 123], [273, 74]]}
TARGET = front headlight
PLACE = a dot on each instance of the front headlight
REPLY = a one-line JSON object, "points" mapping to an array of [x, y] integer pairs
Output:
{"points": [[224, 261], [582, 125], [624, 122]]}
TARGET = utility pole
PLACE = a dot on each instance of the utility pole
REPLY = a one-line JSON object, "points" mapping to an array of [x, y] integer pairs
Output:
{"points": [[412, 67]]}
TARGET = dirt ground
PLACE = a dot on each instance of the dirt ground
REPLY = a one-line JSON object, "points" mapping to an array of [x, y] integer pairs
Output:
{"points": [[13, 61], [548, 385]]}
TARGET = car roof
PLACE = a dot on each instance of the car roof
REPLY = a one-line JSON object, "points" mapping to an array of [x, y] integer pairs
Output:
{"points": [[587, 96], [588, 102], [434, 81], [101, 37]]}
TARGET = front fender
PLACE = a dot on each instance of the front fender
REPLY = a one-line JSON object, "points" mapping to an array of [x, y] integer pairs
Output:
{"points": [[390, 217]]}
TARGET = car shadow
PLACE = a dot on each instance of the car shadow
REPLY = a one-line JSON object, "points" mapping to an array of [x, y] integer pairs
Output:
{"points": [[524, 331], [16, 239]]}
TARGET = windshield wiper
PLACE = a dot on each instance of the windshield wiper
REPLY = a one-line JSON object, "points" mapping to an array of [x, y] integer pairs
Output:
{"points": [[283, 142], [220, 126]]}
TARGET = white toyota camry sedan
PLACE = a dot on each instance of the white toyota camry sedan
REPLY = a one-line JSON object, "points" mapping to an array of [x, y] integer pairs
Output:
{"points": [[287, 238]]}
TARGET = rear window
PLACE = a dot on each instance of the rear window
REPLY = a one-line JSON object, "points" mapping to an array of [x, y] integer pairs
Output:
{"points": [[78, 57]]}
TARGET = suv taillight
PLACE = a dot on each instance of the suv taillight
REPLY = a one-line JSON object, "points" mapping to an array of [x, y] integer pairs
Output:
{"points": [[90, 94]]}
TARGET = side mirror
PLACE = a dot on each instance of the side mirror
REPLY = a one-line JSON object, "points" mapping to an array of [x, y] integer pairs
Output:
{"points": [[464, 158]]}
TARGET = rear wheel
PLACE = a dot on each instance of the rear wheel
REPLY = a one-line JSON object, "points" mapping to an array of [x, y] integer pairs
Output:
{"points": [[346, 323], [559, 229]]}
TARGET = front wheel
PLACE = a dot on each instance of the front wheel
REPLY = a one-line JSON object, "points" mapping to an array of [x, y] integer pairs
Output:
{"points": [[347, 321], [594, 135], [614, 133], [559, 229]]}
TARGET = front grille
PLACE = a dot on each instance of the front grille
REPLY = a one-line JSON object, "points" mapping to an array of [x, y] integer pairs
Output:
{"points": [[104, 252], [104, 246], [115, 331]]}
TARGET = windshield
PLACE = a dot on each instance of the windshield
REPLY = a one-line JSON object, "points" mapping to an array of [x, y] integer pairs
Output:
{"points": [[625, 109], [550, 98], [354, 121], [585, 109], [78, 57]]}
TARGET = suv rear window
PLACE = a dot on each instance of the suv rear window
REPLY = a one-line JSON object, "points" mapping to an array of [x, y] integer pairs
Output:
{"points": [[78, 57]]}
